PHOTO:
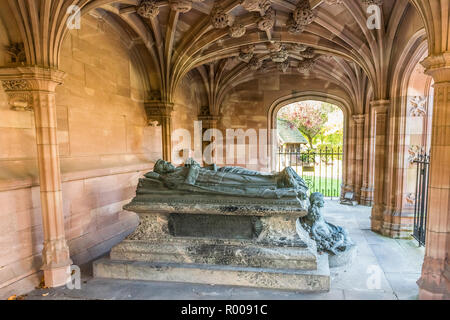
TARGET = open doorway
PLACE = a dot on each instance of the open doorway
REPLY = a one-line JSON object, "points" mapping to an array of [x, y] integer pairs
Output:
{"points": [[310, 137]]}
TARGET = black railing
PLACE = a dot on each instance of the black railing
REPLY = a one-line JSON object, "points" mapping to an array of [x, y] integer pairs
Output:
{"points": [[421, 203], [321, 169]]}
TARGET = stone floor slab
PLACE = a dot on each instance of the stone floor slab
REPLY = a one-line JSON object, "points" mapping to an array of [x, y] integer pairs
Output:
{"points": [[399, 260]]}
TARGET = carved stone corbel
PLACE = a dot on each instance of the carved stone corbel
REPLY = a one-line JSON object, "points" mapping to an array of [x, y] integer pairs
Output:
{"points": [[21, 83], [209, 121], [19, 94], [182, 6], [158, 112], [147, 9]]}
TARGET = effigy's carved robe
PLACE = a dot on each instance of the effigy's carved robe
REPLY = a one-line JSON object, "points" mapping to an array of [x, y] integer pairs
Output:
{"points": [[229, 181]]}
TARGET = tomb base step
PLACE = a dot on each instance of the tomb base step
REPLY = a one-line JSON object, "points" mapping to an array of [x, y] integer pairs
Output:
{"points": [[218, 252], [282, 279]]}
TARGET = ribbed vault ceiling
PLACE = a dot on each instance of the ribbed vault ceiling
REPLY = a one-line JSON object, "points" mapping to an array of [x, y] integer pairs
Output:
{"points": [[232, 41]]}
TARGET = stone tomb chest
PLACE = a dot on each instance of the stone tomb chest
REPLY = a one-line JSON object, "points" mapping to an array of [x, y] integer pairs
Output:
{"points": [[217, 229]]}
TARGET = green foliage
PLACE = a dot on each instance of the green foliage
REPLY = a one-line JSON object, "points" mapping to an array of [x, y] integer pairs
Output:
{"points": [[320, 123]]}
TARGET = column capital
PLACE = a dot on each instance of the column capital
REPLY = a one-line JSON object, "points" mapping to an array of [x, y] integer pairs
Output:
{"points": [[380, 106], [35, 78], [438, 66], [208, 121], [20, 82], [157, 110], [359, 118]]}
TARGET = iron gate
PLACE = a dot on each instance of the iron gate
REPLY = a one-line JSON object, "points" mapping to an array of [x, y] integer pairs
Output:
{"points": [[421, 203], [321, 169]]}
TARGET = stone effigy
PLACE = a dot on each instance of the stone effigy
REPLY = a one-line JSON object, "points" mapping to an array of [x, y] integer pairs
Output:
{"points": [[169, 184], [329, 238], [269, 204], [224, 225]]}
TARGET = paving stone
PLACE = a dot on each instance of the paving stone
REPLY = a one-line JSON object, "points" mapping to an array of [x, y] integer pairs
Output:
{"points": [[369, 295], [399, 261], [404, 284]]}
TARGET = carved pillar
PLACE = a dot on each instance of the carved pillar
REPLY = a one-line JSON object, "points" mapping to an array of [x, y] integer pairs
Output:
{"points": [[160, 113], [366, 198], [379, 111], [359, 155], [35, 87], [435, 280], [208, 122], [397, 220], [348, 181]]}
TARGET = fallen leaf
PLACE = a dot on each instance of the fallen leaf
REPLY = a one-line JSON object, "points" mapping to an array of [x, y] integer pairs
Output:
{"points": [[42, 284], [13, 297], [45, 294]]}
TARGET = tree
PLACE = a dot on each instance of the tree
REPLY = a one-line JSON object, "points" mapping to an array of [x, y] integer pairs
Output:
{"points": [[308, 116], [332, 133]]}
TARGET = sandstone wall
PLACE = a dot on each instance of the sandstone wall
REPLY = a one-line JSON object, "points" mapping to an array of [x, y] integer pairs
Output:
{"points": [[248, 106], [104, 144]]}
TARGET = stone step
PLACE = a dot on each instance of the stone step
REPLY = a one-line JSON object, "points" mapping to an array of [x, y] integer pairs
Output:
{"points": [[218, 252], [283, 279]]}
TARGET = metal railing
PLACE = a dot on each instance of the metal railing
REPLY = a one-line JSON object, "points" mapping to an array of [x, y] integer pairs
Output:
{"points": [[421, 202], [321, 169]]}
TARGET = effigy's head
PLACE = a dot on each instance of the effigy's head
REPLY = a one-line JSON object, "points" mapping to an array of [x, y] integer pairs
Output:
{"points": [[163, 167], [316, 198]]}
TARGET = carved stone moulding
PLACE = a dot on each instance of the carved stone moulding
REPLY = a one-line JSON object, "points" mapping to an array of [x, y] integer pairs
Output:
{"points": [[302, 16], [220, 19], [303, 13], [274, 46], [265, 5], [372, 2], [308, 53], [20, 101], [333, 2], [255, 63], [147, 9], [413, 153], [250, 5], [182, 6], [19, 95], [204, 111], [306, 65], [295, 28], [299, 47], [283, 66], [154, 95], [279, 56], [237, 30], [256, 5], [246, 53], [264, 67], [418, 107], [17, 53], [267, 21], [15, 85], [157, 111]]}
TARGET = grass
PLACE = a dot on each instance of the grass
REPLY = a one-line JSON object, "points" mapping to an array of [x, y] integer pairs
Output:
{"points": [[327, 186]]}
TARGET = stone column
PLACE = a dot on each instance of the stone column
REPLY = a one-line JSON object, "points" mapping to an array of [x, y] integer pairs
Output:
{"points": [[209, 122], [35, 87], [160, 113], [366, 198], [435, 280], [348, 181], [379, 111], [359, 155]]}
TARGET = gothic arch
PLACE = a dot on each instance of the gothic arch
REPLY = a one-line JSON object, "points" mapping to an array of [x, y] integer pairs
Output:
{"points": [[278, 104]]}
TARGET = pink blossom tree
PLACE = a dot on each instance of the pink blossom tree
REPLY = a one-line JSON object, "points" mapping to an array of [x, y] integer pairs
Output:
{"points": [[308, 116]]}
